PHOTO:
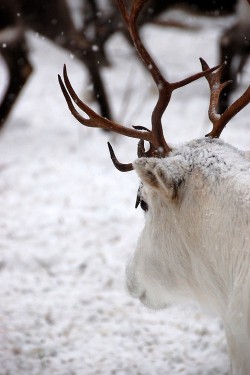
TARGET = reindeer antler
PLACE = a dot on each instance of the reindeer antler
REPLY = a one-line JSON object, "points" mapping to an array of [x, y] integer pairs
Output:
{"points": [[165, 88], [158, 144], [220, 121]]}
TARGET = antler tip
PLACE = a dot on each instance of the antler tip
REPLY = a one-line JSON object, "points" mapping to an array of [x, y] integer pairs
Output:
{"points": [[120, 166], [204, 64], [111, 151], [61, 83]]}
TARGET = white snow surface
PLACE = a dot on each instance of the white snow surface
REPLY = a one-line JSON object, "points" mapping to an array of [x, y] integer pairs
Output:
{"points": [[68, 224]]}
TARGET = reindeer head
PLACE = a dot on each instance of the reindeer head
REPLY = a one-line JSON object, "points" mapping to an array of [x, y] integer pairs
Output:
{"points": [[182, 191]]}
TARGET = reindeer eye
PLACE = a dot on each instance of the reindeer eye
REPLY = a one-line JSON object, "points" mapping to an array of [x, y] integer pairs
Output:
{"points": [[140, 201], [144, 205]]}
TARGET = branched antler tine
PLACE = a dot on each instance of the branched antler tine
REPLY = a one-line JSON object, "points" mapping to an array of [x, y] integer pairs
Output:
{"points": [[219, 121], [216, 87], [194, 77], [70, 104], [120, 166], [84, 107], [71, 95], [94, 119], [229, 113]]}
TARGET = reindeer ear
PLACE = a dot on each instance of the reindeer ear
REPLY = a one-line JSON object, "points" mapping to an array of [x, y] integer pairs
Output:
{"points": [[162, 176], [145, 168]]}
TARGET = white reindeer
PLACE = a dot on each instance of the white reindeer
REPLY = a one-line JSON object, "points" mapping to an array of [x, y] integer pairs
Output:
{"points": [[196, 240], [196, 198]]}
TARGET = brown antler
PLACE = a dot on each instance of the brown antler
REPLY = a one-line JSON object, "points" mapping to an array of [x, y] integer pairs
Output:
{"points": [[158, 144], [165, 88], [220, 121]]}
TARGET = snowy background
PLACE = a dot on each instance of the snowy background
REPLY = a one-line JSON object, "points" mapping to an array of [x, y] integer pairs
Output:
{"points": [[68, 224]]}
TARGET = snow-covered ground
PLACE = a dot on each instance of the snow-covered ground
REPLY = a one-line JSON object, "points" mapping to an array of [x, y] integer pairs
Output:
{"points": [[68, 224]]}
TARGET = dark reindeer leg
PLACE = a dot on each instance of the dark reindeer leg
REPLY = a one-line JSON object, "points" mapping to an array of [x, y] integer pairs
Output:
{"points": [[14, 52], [19, 68], [98, 87], [234, 50], [59, 28], [227, 55], [96, 21]]}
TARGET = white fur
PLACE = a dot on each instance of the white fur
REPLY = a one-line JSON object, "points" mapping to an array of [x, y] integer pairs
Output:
{"points": [[196, 239]]}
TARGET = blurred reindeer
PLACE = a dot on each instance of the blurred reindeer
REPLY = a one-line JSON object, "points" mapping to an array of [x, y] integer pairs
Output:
{"points": [[235, 51], [51, 19], [110, 21]]}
